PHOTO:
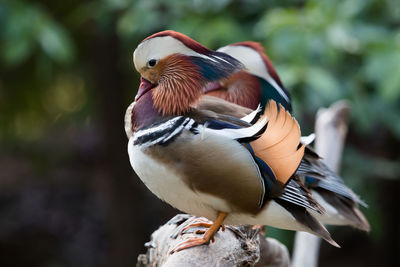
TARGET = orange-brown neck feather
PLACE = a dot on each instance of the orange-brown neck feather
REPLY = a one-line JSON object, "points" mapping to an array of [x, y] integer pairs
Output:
{"points": [[179, 86], [241, 88]]}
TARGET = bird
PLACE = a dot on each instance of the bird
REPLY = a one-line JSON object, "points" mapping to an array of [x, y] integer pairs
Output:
{"points": [[231, 170], [256, 84]]}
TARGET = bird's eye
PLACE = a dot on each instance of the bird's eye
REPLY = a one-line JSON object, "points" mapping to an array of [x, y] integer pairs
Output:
{"points": [[152, 63]]}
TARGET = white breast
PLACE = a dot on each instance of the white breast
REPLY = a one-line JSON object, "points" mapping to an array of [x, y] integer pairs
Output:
{"points": [[169, 186]]}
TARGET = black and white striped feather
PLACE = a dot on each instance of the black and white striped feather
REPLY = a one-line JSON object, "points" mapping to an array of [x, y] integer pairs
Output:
{"points": [[326, 179], [298, 195], [164, 132]]}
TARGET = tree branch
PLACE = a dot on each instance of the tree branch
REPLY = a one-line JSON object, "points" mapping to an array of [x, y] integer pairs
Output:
{"points": [[236, 246], [330, 130]]}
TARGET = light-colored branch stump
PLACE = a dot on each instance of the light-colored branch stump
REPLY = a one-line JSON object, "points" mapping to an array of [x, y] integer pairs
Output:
{"points": [[330, 131], [236, 246]]}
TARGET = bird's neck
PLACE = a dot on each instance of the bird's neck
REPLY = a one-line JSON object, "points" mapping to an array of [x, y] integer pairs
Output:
{"points": [[144, 113]]}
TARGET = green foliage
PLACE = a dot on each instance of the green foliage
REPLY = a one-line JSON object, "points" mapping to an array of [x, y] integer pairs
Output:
{"points": [[29, 28]]}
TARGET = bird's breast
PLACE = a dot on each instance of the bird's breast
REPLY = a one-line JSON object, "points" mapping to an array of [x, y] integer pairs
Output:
{"points": [[168, 185]]}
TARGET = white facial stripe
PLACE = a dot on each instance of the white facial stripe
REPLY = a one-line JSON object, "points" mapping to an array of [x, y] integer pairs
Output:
{"points": [[254, 64], [160, 47], [222, 59]]}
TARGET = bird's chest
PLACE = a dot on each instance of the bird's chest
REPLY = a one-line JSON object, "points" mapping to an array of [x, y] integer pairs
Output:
{"points": [[167, 184]]}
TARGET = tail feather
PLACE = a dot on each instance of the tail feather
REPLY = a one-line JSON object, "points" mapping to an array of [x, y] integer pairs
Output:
{"points": [[363, 223], [347, 208], [332, 190], [310, 223]]}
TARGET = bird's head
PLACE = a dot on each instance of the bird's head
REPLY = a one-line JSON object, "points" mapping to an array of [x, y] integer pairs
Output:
{"points": [[257, 65], [175, 68], [253, 57]]}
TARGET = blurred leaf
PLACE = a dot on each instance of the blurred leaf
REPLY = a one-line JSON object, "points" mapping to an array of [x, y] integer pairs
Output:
{"points": [[17, 33], [370, 167], [16, 51], [322, 82], [342, 38], [55, 42], [382, 69], [350, 8], [28, 25]]}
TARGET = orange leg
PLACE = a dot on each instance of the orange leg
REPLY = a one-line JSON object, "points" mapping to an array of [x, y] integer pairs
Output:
{"points": [[208, 235], [200, 222]]}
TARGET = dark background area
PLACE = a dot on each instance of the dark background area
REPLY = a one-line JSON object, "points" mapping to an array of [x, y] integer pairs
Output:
{"points": [[68, 196]]}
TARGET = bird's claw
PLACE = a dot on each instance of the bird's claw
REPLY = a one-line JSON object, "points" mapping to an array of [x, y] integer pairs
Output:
{"points": [[189, 243], [199, 222]]}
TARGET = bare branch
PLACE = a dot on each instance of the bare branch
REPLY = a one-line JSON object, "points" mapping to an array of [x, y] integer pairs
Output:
{"points": [[236, 246], [330, 130]]}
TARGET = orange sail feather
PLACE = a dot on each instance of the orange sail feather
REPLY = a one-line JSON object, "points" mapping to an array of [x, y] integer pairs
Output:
{"points": [[279, 145]]}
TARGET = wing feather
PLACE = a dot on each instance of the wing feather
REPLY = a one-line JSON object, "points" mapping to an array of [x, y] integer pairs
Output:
{"points": [[279, 145]]}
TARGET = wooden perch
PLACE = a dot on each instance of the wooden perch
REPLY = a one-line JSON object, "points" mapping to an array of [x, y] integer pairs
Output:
{"points": [[236, 246], [243, 246], [330, 130]]}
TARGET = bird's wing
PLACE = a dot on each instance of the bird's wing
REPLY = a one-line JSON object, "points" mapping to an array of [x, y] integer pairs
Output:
{"points": [[221, 106], [296, 193], [209, 158], [216, 158], [279, 146], [331, 188], [318, 175]]}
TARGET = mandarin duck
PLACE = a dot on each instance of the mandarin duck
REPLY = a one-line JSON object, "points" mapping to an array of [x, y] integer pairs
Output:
{"points": [[258, 83], [236, 168]]}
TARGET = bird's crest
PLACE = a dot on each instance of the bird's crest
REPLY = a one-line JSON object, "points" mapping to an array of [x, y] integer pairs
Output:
{"points": [[212, 64], [256, 62], [188, 42], [259, 49]]}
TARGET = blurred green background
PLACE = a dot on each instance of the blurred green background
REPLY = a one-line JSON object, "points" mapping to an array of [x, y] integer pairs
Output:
{"points": [[68, 196]]}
